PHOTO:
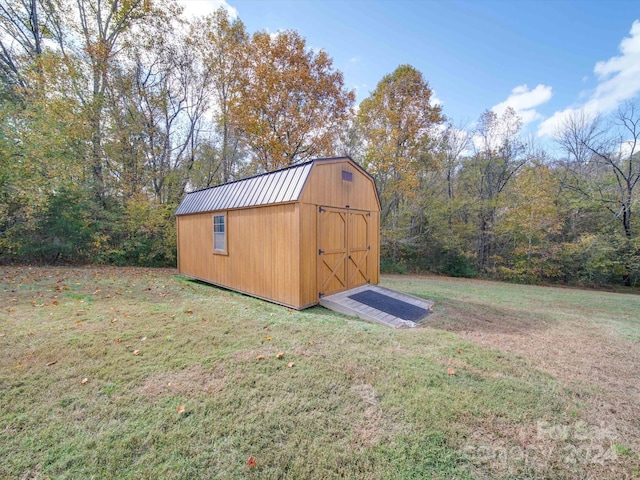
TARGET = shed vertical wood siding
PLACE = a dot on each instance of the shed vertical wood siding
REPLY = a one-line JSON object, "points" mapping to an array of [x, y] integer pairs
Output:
{"points": [[272, 250]]}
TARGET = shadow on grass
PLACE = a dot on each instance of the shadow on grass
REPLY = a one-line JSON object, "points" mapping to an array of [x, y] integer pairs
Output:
{"points": [[461, 316]]}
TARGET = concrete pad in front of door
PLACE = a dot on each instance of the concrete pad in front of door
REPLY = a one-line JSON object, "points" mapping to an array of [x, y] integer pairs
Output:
{"points": [[342, 303]]}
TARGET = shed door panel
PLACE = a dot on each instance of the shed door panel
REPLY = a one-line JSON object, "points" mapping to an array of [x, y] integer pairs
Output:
{"points": [[358, 248], [343, 255], [332, 245]]}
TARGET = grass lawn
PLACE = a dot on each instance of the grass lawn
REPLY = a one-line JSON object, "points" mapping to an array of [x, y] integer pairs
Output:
{"points": [[140, 373]]}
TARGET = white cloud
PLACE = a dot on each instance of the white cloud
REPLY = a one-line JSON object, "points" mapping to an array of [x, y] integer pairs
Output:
{"points": [[620, 76], [550, 126], [196, 8], [274, 35], [435, 100], [524, 101], [618, 80]]}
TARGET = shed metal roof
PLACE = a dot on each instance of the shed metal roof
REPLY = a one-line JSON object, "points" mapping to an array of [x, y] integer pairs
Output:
{"points": [[274, 187]]}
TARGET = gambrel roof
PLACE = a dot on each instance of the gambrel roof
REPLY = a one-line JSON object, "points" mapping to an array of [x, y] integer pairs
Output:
{"points": [[280, 186]]}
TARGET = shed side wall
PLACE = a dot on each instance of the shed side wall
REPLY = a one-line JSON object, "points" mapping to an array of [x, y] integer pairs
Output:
{"points": [[263, 255]]}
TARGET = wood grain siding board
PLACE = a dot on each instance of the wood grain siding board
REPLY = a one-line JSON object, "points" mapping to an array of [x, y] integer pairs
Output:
{"points": [[308, 254], [178, 244], [375, 248]]}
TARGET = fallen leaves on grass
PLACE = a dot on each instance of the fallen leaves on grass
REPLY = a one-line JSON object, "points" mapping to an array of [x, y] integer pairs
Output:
{"points": [[290, 364], [181, 409], [251, 463], [52, 362], [84, 381], [137, 352], [279, 355], [267, 338], [451, 371], [260, 357]]}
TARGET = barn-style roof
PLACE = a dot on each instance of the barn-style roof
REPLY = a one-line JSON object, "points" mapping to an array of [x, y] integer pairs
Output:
{"points": [[280, 186]]}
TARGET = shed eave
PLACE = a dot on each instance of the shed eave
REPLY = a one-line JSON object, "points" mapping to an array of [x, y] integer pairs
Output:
{"points": [[266, 205]]}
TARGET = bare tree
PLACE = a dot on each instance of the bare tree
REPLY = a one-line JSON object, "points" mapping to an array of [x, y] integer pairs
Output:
{"points": [[604, 163], [23, 24], [101, 25], [451, 143], [220, 43], [498, 155]]}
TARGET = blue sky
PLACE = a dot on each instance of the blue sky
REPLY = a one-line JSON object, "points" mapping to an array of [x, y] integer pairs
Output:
{"points": [[544, 58]]}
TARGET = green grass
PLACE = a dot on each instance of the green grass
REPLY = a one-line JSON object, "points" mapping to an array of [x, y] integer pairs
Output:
{"points": [[183, 381]]}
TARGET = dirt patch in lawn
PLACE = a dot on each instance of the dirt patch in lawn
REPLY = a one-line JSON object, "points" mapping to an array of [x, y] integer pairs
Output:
{"points": [[599, 366], [187, 383]]}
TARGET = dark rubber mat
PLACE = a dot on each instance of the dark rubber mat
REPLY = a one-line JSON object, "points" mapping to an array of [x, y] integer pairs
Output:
{"points": [[390, 305]]}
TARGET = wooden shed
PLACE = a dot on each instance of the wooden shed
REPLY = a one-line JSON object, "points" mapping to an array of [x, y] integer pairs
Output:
{"points": [[290, 236]]}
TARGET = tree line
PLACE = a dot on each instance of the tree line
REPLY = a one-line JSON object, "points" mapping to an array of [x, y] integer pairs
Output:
{"points": [[110, 110]]}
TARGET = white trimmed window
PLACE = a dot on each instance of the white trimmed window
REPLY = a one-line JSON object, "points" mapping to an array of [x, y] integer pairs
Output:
{"points": [[220, 234]]}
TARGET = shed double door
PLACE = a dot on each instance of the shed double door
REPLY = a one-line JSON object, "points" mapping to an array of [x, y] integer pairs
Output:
{"points": [[343, 249]]}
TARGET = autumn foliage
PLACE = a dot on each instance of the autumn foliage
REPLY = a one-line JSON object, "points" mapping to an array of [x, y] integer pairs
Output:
{"points": [[110, 111], [292, 102]]}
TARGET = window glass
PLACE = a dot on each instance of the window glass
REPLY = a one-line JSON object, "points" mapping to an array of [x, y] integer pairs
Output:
{"points": [[219, 233]]}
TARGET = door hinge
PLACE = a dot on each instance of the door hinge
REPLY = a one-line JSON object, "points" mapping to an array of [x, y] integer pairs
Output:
{"points": [[320, 209], [320, 294], [320, 251], [368, 247], [368, 214]]}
